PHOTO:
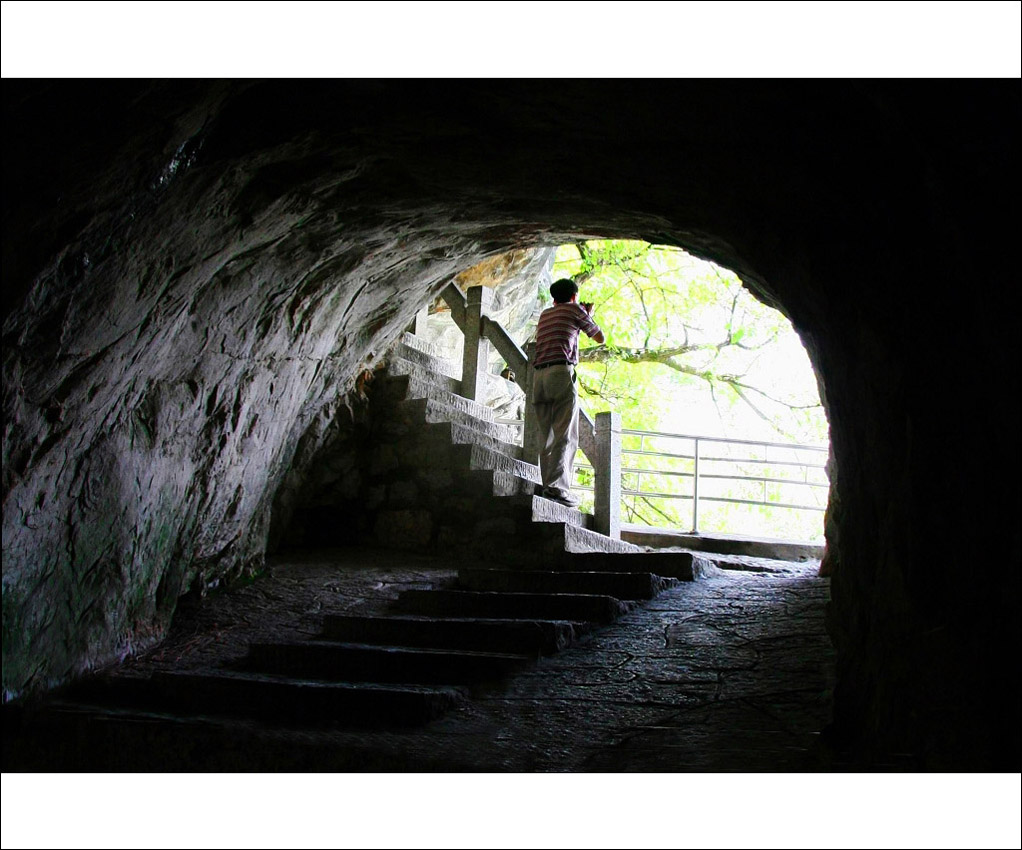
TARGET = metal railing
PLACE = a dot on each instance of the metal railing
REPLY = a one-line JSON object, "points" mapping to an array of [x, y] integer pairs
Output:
{"points": [[693, 471]]}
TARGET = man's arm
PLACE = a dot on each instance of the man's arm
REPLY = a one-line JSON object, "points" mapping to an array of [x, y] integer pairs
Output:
{"points": [[596, 335]]}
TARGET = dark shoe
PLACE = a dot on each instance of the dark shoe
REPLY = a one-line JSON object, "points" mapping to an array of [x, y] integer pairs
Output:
{"points": [[567, 501]]}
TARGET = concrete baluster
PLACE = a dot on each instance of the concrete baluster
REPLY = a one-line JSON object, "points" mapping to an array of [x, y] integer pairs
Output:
{"points": [[531, 436], [477, 348], [607, 465], [419, 324]]}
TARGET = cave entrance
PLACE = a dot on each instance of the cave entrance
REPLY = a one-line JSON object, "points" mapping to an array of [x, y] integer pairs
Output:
{"points": [[723, 429]]}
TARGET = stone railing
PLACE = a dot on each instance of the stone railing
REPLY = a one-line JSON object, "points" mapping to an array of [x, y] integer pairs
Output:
{"points": [[599, 441]]}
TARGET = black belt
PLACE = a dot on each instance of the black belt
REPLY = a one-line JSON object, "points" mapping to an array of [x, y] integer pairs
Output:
{"points": [[556, 363]]}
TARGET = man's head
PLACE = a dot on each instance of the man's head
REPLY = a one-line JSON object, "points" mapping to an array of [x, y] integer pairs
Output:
{"points": [[563, 290]]}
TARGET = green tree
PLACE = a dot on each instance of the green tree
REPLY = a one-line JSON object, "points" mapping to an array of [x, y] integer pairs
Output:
{"points": [[673, 322]]}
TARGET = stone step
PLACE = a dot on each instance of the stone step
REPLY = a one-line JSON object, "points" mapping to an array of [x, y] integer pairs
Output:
{"points": [[547, 510], [517, 431], [578, 539], [430, 361], [432, 450], [360, 662], [424, 346], [522, 637], [456, 434], [484, 483], [537, 544], [404, 387], [723, 544], [60, 737], [422, 370], [393, 387], [276, 699], [477, 457], [481, 522], [527, 606], [436, 359], [531, 508], [399, 367], [433, 411], [684, 566], [625, 585]]}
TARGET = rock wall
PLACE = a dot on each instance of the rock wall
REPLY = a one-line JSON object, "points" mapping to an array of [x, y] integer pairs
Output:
{"points": [[162, 370], [195, 275], [516, 279]]}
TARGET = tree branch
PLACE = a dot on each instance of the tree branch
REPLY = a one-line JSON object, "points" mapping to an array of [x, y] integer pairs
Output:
{"points": [[594, 262], [786, 404], [668, 517], [665, 356], [605, 353], [602, 392]]}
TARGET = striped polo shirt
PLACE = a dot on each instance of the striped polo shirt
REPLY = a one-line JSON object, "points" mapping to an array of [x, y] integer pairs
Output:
{"points": [[557, 333]]}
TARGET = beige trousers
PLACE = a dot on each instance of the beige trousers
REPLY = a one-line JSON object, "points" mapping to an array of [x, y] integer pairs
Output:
{"points": [[555, 398]]}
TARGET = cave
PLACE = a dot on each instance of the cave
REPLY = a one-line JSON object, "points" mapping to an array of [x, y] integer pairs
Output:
{"points": [[197, 274]]}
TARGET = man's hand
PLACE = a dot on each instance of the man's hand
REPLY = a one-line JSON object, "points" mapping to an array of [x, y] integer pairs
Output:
{"points": [[587, 306]]}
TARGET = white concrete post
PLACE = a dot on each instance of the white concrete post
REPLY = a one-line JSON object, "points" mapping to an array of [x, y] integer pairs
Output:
{"points": [[419, 325], [607, 507], [531, 436], [477, 348]]}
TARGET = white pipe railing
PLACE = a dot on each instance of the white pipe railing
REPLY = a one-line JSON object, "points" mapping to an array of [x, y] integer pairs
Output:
{"points": [[700, 462]]}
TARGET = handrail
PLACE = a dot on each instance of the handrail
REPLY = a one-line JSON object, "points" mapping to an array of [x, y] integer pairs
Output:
{"points": [[597, 444], [513, 355], [685, 498], [458, 303], [675, 474], [505, 345], [587, 435], [732, 459], [808, 446]]}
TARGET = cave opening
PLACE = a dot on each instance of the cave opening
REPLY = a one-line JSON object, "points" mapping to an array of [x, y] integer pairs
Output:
{"points": [[176, 354]]}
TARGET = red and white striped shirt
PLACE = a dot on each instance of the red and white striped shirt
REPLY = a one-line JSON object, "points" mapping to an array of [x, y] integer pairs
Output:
{"points": [[557, 333]]}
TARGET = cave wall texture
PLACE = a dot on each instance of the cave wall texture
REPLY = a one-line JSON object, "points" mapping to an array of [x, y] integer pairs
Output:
{"points": [[196, 273]]}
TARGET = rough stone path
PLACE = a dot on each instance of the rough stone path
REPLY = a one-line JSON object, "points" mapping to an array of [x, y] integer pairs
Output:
{"points": [[729, 673]]}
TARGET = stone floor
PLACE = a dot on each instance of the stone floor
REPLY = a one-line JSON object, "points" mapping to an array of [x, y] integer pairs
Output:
{"points": [[718, 682], [729, 673]]}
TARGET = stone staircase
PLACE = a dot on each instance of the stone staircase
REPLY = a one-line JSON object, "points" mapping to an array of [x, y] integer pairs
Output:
{"points": [[450, 478], [446, 478]]}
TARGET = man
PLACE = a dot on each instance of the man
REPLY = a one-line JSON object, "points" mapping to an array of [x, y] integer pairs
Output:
{"points": [[554, 391]]}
